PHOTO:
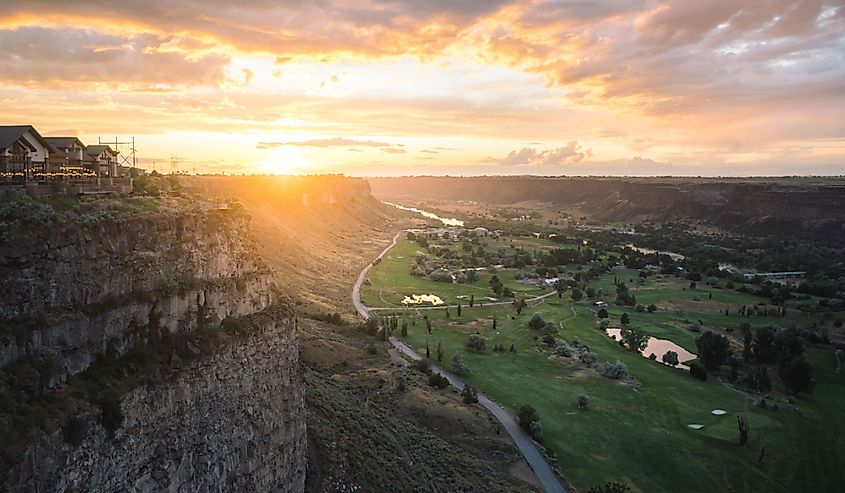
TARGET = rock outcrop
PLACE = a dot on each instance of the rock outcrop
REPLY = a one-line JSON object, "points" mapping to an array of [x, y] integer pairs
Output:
{"points": [[80, 288], [233, 421]]}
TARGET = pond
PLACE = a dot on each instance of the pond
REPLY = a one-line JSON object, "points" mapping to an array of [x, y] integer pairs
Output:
{"points": [[421, 299], [445, 220], [659, 348]]}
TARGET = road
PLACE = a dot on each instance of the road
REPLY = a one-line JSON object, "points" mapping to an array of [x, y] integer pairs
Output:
{"points": [[544, 472]]}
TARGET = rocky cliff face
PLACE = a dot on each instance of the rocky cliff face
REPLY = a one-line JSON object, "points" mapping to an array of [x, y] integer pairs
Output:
{"points": [[85, 288], [81, 288], [234, 421]]}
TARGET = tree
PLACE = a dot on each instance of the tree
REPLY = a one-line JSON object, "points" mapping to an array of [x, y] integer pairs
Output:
{"points": [[549, 340], [513, 348], [583, 401], [404, 327], [527, 415], [651, 308], [458, 364], [428, 325], [494, 322], [427, 352], [670, 358], [459, 309], [713, 350], [698, 372], [742, 424], [476, 343], [519, 304], [469, 394], [576, 294], [602, 313], [763, 347], [471, 300], [626, 319], [536, 322], [635, 340], [797, 374], [439, 352]]}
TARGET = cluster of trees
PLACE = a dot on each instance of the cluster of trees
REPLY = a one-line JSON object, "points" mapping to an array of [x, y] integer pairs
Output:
{"points": [[529, 420]]}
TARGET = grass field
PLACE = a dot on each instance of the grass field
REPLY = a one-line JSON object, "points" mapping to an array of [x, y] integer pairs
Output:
{"points": [[391, 281], [640, 435]]}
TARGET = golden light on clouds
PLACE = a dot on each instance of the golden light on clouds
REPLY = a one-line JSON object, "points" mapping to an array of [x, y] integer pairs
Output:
{"points": [[470, 87]]}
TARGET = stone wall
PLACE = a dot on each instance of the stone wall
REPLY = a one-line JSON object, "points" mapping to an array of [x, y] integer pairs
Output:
{"points": [[232, 421]]}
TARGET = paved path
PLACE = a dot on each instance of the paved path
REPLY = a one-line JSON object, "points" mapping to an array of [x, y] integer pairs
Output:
{"points": [[545, 474]]}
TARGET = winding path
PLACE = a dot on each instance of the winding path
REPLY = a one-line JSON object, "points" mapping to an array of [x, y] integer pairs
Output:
{"points": [[545, 474]]}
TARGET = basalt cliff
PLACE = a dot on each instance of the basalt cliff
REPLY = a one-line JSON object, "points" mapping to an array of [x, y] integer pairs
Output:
{"points": [[144, 347]]}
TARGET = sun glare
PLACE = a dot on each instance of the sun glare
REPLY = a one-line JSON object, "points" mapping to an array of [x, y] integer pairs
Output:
{"points": [[285, 161]]}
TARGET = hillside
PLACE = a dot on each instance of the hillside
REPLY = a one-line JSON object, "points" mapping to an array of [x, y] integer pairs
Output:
{"points": [[805, 207], [374, 424], [317, 233]]}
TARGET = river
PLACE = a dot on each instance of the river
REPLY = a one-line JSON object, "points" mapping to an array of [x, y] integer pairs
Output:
{"points": [[445, 220]]}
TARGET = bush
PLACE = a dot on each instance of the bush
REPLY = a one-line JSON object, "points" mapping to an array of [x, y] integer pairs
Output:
{"points": [[562, 348], [651, 308], [476, 343], [440, 275], [527, 415], [469, 394], [438, 380], [588, 358], [615, 371], [549, 340], [535, 429], [458, 364], [583, 401], [112, 416], [536, 322], [698, 372]]}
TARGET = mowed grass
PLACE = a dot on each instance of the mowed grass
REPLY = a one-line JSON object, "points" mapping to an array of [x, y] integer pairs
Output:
{"points": [[391, 281], [641, 435]]}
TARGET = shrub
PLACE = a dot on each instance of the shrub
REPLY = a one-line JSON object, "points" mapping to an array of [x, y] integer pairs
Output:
{"points": [[438, 380], [536, 322], [562, 348], [527, 415], [652, 357], [440, 275], [583, 401], [476, 343], [698, 372], [458, 364], [111, 415], [615, 371], [651, 308], [611, 487], [588, 358], [469, 394], [372, 349], [549, 340], [535, 429]]}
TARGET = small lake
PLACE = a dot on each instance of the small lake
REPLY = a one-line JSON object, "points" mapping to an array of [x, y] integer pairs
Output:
{"points": [[659, 348], [445, 220], [422, 299]]}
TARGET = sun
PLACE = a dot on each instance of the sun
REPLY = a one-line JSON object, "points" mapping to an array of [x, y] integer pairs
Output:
{"points": [[285, 161]]}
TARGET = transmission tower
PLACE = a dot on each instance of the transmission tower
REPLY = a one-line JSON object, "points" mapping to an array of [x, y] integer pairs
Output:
{"points": [[127, 158]]}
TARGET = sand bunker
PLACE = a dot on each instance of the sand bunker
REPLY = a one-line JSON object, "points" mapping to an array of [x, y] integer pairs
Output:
{"points": [[420, 299], [719, 412], [695, 426]]}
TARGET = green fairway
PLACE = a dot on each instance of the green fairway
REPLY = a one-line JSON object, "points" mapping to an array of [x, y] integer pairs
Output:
{"points": [[391, 281], [640, 433]]}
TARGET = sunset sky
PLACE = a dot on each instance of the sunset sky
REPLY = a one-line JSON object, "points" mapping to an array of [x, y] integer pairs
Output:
{"points": [[395, 87]]}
